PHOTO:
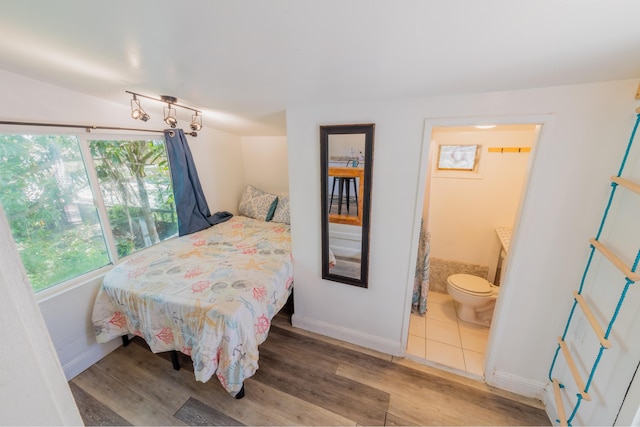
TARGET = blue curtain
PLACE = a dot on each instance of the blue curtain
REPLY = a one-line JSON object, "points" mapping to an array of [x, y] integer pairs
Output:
{"points": [[192, 208]]}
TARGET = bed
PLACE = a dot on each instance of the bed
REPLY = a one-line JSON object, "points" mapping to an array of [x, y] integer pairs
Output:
{"points": [[210, 295]]}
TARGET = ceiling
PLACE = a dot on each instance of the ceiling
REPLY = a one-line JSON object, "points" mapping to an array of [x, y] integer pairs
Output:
{"points": [[244, 62]]}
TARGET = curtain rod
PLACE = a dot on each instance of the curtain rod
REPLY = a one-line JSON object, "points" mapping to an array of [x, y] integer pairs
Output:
{"points": [[87, 127]]}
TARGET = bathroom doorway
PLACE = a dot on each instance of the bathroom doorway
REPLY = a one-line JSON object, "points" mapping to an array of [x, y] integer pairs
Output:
{"points": [[473, 182]]}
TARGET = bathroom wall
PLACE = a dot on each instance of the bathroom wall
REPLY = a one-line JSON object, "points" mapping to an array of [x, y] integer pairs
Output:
{"points": [[466, 207], [440, 269]]}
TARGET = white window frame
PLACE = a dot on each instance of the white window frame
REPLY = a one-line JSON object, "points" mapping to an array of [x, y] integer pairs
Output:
{"points": [[98, 200]]}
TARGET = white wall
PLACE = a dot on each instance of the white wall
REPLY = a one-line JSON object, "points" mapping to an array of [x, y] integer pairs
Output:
{"points": [[603, 287], [265, 163], [218, 158], [33, 389], [219, 161], [346, 145], [579, 149], [466, 207]]}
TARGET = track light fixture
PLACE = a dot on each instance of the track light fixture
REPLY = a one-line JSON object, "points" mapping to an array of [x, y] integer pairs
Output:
{"points": [[136, 110], [196, 122], [170, 116]]}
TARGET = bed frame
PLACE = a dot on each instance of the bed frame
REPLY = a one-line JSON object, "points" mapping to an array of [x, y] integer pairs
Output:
{"points": [[176, 362]]}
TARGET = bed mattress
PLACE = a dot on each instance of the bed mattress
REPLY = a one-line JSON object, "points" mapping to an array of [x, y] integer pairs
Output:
{"points": [[210, 295]]}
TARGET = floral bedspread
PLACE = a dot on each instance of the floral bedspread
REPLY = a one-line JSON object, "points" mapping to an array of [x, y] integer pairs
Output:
{"points": [[210, 295]]}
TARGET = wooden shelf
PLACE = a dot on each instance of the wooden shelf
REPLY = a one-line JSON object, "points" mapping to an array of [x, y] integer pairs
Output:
{"points": [[626, 184], [633, 276]]}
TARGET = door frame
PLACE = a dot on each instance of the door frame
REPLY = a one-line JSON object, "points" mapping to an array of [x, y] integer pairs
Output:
{"points": [[495, 334], [629, 413]]}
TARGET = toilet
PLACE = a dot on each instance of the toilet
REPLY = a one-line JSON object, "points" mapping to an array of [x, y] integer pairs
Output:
{"points": [[476, 298]]}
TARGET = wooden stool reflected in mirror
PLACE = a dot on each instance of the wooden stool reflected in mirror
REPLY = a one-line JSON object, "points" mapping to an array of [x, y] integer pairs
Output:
{"points": [[344, 188]]}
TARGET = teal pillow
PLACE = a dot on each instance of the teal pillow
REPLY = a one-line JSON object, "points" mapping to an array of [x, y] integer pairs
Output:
{"points": [[282, 210], [257, 204], [272, 209]]}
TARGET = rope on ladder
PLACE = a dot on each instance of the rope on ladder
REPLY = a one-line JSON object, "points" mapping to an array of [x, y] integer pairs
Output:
{"points": [[582, 281], [626, 153]]}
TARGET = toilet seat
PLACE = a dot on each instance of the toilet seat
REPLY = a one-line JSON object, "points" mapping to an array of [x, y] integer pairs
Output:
{"points": [[470, 284]]}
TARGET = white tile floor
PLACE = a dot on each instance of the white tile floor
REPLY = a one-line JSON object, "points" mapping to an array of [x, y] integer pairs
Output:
{"points": [[440, 337]]}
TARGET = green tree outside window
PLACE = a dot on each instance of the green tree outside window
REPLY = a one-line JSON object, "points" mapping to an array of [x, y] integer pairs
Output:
{"points": [[47, 196]]}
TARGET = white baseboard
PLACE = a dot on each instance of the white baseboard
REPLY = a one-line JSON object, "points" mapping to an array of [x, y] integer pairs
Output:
{"points": [[522, 386], [88, 358], [525, 387], [354, 337]]}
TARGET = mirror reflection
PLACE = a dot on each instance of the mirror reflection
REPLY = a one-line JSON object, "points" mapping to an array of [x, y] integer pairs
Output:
{"points": [[346, 158]]}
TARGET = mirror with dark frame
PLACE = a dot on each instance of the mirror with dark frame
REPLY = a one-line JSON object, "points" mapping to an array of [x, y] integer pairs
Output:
{"points": [[346, 155]]}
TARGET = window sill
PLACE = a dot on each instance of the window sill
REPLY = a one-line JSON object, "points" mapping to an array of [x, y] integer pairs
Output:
{"points": [[457, 175], [71, 284]]}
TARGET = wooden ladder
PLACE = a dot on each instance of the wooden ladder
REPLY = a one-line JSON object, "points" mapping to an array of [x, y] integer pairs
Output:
{"points": [[630, 275]]}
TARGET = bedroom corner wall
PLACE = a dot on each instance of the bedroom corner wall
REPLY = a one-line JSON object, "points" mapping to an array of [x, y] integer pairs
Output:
{"points": [[265, 162], [578, 151], [218, 158]]}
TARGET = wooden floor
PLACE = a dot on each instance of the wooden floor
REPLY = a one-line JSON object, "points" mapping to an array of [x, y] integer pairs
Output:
{"points": [[304, 379]]}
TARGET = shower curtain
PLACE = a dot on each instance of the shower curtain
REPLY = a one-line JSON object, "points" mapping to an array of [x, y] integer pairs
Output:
{"points": [[421, 280]]}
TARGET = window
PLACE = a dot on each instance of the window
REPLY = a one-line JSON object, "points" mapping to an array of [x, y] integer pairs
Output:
{"points": [[50, 201], [458, 157], [136, 187]]}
